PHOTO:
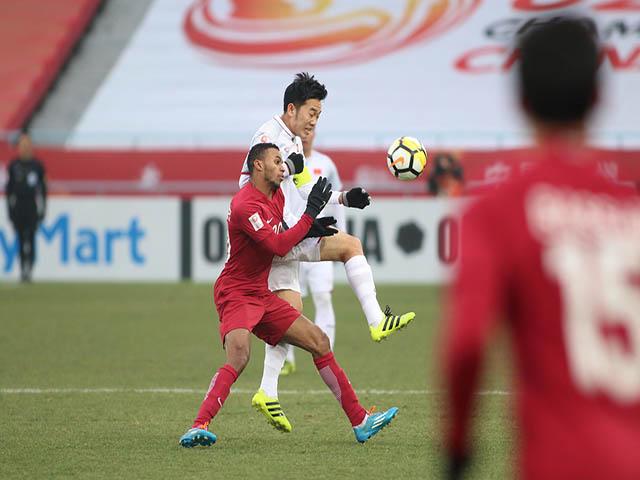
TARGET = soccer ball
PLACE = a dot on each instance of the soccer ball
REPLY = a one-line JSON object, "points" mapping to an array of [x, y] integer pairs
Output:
{"points": [[406, 158]]}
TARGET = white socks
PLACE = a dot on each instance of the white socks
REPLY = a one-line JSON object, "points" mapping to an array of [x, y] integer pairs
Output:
{"points": [[325, 316], [361, 280], [273, 361]]}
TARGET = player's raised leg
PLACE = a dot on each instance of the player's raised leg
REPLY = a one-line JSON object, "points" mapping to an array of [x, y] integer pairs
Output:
{"points": [[304, 334], [348, 250], [237, 346]]}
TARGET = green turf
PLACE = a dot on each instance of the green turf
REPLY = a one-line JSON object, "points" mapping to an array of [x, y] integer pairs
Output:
{"points": [[127, 337]]}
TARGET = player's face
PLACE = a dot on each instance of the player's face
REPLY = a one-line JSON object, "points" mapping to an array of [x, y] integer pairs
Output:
{"points": [[307, 140], [306, 117], [273, 167]]}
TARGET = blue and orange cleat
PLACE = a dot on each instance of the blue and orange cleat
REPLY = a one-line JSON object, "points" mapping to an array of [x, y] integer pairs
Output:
{"points": [[374, 423], [198, 436]]}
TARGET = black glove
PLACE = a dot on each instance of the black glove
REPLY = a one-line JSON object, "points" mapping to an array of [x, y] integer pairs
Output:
{"points": [[456, 466], [318, 198], [322, 227], [356, 198], [295, 163]]}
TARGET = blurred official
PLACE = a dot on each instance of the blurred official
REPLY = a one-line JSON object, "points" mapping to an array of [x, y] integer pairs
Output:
{"points": [[26, 192], [555, 254]]}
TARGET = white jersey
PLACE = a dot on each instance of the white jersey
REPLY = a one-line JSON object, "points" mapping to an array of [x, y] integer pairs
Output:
{"points": [[321, 165], [295, 197]]}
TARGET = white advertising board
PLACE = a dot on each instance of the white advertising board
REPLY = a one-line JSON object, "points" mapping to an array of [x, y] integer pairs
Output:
{"points": [[208, 73], [120, 238], [405, 240]]}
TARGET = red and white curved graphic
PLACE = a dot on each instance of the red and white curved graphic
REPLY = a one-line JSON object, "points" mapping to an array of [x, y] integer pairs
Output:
{"points": [[294, 33]]}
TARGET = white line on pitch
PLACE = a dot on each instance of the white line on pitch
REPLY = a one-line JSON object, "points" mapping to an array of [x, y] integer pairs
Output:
{"points": [[372, 391]]}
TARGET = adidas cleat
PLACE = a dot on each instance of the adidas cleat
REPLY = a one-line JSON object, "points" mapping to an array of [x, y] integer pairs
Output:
{"points": [[374, 423], [197, 436], [390, 323], [270, 408], [288, 368]]}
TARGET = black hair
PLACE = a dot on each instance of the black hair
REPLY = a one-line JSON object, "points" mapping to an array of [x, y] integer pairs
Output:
{"points": [[557, 75], [303, 87], [257, 153]]}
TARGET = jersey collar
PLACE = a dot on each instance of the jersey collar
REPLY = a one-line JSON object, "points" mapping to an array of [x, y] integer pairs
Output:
{"points": [[284, 126]]}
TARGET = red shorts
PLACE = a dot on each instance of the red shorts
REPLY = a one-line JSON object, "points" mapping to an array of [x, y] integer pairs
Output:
{"points": [[267, 316]]}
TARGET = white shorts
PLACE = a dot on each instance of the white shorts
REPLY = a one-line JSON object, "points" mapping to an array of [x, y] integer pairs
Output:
{"points": [[316, 277], [284, 274]]}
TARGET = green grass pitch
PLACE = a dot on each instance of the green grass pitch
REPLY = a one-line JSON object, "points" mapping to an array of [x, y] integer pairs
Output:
{"points": [[100, 381]]}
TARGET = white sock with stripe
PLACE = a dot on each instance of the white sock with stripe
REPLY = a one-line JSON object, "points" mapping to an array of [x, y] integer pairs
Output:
{"points": [[360, 278]]}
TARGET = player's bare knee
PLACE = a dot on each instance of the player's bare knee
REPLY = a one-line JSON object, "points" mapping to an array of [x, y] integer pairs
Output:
{"points": [[238, 356], [320, 344], [353, 247]]}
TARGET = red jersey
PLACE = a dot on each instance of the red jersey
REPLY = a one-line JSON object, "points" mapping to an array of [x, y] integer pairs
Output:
{"points": [[255, 237], [556, 254]]}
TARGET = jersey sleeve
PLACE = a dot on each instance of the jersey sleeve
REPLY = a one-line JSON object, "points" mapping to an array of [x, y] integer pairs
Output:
{"points": [[254, 222], [251, 218], [473, 306], [334, 176]]}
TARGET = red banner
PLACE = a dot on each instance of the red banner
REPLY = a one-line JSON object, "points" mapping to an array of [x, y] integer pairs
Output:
{"points": [[192, 172]]}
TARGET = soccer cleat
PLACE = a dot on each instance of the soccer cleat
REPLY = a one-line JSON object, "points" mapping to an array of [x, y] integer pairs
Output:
{"points": [[270, 408], [288, 368], [389, 324], [374, 423], [198, 436]]}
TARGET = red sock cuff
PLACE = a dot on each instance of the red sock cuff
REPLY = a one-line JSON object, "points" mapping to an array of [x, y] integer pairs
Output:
{"points": [[323, 361], [230, 370]]}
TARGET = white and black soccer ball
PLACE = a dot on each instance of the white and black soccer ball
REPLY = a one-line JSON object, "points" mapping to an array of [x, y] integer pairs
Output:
{"points": [[406, 158]]}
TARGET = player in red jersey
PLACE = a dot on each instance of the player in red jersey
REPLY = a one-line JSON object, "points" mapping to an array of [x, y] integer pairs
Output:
{"points": [[556, 254], [245, 304]]}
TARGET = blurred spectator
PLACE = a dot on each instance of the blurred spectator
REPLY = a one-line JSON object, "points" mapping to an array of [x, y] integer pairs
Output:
{"points": [[446, 177], [26, 192]]}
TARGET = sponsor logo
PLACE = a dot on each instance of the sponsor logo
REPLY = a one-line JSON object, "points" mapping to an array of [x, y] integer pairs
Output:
{"points": [[74, 244], [296, 33]]}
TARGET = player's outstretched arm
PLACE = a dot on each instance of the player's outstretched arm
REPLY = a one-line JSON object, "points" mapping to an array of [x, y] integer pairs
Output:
{"points": [[254, 225]]}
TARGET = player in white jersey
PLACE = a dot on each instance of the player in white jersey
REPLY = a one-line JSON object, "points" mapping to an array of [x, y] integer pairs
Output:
{"points": [[302, 108], [316, 278]]}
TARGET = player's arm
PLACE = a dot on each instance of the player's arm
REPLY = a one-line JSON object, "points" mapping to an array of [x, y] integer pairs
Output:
{"points": [[256, 226], [336, 182], [356, 197], [43, 193], [10, 192], [475, 298]]}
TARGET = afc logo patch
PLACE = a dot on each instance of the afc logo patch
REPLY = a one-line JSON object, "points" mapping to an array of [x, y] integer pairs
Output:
{"points": [[256, 222]]}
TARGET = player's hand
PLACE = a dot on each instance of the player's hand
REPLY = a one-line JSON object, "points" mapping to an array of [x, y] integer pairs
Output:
{"points": [[318, 197], [456, 466], [322, 227], [295, 163], [356, 198]]}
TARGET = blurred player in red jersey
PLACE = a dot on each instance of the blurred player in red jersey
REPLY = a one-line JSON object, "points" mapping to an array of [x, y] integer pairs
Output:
{"points": [[556, 254], [245, 304]]}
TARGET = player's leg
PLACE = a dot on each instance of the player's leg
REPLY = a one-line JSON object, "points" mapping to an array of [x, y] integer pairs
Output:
{"points": [[284, 282], [347, 249], [319, 277], [30, 250], [294, 298], [23, 244], [309, 337], [237, 344]]}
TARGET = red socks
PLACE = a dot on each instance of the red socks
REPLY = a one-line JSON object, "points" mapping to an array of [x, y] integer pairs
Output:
{"points": [[339, 384], [216, 395]]}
